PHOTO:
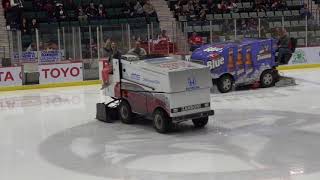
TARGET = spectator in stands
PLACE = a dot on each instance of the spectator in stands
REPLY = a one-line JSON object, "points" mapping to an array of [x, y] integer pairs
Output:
{"points": [[253, 25], [243, 26], [32, 47], [263, 31], [49, 7], [260, 5], [138, 50], [304, 11], [6, 5], [91, 11], [178, 9], [190, 9], [37, 5], [138, 9], [232, 6], [163, 36], [197, 8], [222, 7], [24, 27], [107, 44], [211, 6], [82, 16], [128, 10], [203, 14], [52, 46], [34, 26], [102, 14], [61, 13], [16, 3], [279, 5], [283, 5], [113, 51], [149, 10], [195, 41]]}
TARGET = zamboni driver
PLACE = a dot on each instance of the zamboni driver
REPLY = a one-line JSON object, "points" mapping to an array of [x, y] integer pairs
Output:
{"points": [[138, 50]]}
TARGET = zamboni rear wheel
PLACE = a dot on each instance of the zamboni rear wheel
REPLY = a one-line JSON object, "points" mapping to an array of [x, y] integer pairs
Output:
{"points": [[161, 121], [200, 122], [125, 112]]}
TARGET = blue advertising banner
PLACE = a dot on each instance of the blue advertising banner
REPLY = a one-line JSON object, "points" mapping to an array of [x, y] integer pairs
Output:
{"points": [[52, 56], [29, 57]]}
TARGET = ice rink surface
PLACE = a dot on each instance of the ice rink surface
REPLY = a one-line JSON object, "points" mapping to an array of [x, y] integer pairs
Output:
{"points": [[263, 134]]}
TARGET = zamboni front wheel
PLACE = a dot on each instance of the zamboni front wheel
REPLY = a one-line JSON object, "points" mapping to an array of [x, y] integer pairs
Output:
{"points": [[200, 122], [267, 79], [125, 112], [161, 121], [225, 84]]}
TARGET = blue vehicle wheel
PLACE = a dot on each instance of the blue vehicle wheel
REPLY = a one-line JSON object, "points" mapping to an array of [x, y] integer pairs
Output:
{"points": [[267, 79], [225, 83]]}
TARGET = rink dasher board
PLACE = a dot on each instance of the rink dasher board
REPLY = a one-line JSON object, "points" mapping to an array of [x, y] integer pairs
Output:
{"points": [[60, 73], [11, 76]]}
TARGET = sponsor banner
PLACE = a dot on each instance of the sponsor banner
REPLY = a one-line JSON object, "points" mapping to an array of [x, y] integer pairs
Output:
{"points": [[53, 73], [10, 76], [26, 57], [307, 55], [51, 56]]}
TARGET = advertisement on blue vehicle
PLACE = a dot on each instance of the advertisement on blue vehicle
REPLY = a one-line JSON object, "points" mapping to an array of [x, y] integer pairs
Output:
{"points": [[245, 60]]}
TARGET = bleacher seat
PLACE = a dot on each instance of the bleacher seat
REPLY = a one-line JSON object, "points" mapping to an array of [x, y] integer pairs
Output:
{"points": [[261, 14], [287, 13], [235, 15], [301, 42], [278, 13], [270, 14], [253, 14], [293, 34], [244, 15], [226, 16], [218, 16], [209, 17], [302, 34]]}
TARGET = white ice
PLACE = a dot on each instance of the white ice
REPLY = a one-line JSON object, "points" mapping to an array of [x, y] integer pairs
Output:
{"points": [[256, 134]]}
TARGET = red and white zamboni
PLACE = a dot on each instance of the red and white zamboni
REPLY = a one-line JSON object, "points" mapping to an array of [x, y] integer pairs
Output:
{"points": [[164, 90]]}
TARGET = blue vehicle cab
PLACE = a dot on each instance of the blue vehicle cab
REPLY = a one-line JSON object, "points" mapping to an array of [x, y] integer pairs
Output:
{"points": [[239, 63]]}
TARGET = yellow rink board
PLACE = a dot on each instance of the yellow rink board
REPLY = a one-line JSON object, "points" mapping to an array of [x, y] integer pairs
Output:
{"points": [[54, 85]]}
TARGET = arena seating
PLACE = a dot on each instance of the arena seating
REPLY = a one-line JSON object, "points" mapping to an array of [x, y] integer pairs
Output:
{"points": [[290, 18], [112, 24], [113, 8]]}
